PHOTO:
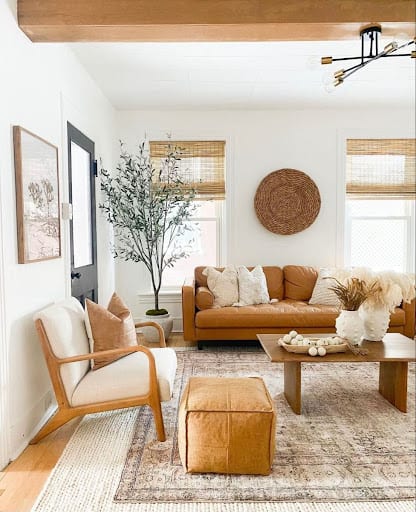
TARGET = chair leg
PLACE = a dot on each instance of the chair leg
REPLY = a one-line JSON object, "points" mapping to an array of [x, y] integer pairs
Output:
{"points": [[157, 415], [57, 420]]}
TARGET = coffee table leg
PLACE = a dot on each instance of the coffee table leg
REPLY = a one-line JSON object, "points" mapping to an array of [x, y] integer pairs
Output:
{"points": [[393, 383], [293, 376]]}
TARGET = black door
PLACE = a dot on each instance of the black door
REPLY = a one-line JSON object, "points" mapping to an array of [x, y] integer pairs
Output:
{"points": [[81, 168]]}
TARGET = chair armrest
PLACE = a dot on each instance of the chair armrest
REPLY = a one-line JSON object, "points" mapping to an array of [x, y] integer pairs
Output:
{"points": [[162, 341], [102, 353], [153, 382], [188, 309]]}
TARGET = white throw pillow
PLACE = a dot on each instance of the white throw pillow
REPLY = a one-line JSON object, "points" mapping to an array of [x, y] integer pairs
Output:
{"points": [[223, 285], [252, 287], [321, 293]]}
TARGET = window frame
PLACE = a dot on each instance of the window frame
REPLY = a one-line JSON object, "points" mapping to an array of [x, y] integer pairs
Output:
{"points": [[220, 237], [378, 131], [410, 229]]}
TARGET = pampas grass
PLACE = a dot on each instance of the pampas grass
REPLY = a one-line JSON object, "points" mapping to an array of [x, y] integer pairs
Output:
{"points": [[385, 289], [353, 293]]}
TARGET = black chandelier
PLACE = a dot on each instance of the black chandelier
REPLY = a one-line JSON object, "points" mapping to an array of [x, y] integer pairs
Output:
{"points": [[369, 38]]}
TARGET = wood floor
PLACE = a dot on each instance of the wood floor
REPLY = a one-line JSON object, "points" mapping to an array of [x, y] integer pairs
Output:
{"points": [[24, 478]]}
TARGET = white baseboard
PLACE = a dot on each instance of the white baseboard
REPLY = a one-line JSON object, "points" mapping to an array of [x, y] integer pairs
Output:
{"points": [[25, 433], [169, 299]]}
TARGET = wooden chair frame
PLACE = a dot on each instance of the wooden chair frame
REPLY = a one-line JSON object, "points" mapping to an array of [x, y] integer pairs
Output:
{"points": [[66, 412]]}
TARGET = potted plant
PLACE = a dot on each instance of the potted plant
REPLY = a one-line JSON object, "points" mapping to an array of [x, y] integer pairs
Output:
{"points": [[389, 290], [351, 293], [373, 296], [149, 210]]}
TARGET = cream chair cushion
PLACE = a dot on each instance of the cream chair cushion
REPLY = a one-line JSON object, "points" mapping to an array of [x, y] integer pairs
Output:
{"points": [[126, 378], [65, 329]]}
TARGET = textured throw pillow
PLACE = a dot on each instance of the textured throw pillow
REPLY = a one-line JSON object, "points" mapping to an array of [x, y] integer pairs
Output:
{"points": [[109, 328], [223, 285], [252, 286], [321, 293]]}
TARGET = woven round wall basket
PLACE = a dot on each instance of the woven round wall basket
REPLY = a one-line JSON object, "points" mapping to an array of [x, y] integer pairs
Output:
{"points": [[287, 201]]}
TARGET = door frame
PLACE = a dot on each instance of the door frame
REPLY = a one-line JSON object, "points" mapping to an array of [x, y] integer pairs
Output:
{"points": [[79, 138], [4, 362]]}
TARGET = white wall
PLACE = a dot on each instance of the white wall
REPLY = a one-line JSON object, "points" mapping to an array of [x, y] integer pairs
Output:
{"points": [[41, 87], [259, 142]]}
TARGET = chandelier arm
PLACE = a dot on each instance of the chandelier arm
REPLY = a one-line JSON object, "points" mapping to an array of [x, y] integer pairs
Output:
{"points": [[399, 55], [356, 68]]}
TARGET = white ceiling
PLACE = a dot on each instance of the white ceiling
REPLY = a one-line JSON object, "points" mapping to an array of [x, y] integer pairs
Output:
{"points": [[198, 76]]}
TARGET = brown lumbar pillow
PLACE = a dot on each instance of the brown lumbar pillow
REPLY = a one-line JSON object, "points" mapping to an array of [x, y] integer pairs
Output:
{"points": [[109, 328]]}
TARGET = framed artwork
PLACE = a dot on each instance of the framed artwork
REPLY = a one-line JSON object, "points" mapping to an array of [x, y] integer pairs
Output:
{"points": [[37, 197]]}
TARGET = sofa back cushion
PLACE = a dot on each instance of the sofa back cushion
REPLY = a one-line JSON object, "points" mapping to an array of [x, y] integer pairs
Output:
{"points": [[299, 281], [274, 278]]}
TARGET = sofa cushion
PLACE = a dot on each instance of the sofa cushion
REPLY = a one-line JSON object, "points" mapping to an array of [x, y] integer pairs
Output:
{"points": [[286, 313], [274, 279], [299, 281]]}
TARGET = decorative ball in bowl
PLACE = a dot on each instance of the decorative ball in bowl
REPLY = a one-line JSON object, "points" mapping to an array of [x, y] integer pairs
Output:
{"points": [[297, 343]]}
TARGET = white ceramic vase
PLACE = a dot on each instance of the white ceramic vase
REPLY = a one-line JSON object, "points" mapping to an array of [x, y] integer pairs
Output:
{"points": [[349, 325], [150, 333], [376, 322]]}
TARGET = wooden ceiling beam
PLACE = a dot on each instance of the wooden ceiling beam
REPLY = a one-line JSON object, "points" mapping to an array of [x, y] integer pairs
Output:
{"points": [[210, 20]]}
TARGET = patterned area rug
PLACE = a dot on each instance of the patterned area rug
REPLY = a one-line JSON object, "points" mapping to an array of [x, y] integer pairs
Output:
{"points": [[349, 444]]}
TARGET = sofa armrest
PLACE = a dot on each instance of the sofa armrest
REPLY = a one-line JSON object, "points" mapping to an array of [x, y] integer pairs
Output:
{"points": [[409, 318], [204, 298], [188, 309]]}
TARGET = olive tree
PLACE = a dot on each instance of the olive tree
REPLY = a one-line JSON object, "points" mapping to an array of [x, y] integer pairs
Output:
{"points": [[149, 209]]}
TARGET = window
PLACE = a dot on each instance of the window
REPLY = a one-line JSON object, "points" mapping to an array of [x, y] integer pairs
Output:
{"points": [[380, 206], [203, 167]]}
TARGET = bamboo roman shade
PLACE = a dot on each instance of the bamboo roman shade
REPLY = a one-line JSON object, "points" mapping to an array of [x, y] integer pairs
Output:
{"points": [[378, 168], [202, 165]]}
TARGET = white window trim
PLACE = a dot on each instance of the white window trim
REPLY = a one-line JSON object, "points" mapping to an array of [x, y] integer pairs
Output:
{"points": [[226, 231], [378, 131], [221, 250]]}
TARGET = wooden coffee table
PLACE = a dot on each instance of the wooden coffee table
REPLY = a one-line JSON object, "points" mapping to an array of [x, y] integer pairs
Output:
{"points": [[393, 353]]}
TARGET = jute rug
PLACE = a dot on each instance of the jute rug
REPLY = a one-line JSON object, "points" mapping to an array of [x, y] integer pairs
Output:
{"points": [[92, 469], [349, 443]]}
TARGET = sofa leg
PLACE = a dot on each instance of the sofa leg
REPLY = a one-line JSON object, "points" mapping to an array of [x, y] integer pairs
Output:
{"points": [[200, 346]]}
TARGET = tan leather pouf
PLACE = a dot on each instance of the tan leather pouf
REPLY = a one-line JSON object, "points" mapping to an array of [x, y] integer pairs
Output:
{"points": [[226, 426]]}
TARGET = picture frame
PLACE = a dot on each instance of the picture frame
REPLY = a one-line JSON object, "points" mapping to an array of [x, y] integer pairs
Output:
{"points": [[37, 197]]}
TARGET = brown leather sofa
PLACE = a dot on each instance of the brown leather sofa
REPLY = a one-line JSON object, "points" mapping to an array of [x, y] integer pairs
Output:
{"points": [[292, 285]]}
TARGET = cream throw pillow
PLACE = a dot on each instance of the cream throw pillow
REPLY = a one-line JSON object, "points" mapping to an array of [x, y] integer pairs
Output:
{"points": [[108, 328], [252, 286], [223, 285], [321, 293]]}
